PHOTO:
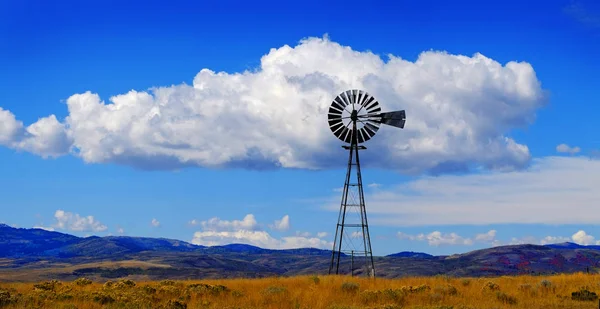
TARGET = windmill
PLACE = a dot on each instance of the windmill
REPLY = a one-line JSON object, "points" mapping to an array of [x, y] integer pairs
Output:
{"points": [[354, 117]]}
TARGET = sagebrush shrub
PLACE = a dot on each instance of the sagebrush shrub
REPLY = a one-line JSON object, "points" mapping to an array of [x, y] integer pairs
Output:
{"points": [[124, 283], [315, 279], [275, 290], [166, 282], [175, 304], [369, 296], [584, 295], [395, 295], [505, 298], [237, 294], [201, 288], [350, 287], [525, 287], [148, 289], [490, 286], [5, 298], [446, 290], [83, 281], [102, 298], [415, 289], [47, 286]]}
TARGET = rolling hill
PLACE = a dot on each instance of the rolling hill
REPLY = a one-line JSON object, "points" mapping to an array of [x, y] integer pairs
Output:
{"points": [[36, 254]]}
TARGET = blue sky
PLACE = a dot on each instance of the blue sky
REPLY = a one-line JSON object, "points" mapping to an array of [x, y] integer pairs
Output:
{"points": [[470, 190]]}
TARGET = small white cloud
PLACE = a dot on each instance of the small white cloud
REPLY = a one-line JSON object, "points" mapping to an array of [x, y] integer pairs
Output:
{"points": [[121, 231], [304, 242], [582, 238], [74, 222], [302, 234], [564, 148], [553, 240], [374, 185], [523, 240], [51, 229], [322, 234], [490, 236], [341, 189], [281, 225], [436, 238], [155, 223], [216, 224], [220, 232], [193, 222]]}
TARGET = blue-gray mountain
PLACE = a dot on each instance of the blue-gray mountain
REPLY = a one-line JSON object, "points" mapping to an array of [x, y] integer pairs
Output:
{"points": [[65, 257]]}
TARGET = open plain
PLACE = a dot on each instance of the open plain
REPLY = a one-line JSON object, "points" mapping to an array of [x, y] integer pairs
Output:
{"points": [[317, 292]]}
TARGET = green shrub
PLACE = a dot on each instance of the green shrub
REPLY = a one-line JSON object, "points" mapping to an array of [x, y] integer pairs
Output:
{"points": [[505, 298], [237, 294], [545, 286], [446, 290], [415, 289], [202, 288], [5, 298], [584, 295], [83, 281], [368, 296], [124, 283], [148, 289], [64, 296], [47, 286], [275, 290], [525, 287], [395, 295], [315, 279], [167, 282], [490, 286], [350, 287], [103, 298], [175, 304]]}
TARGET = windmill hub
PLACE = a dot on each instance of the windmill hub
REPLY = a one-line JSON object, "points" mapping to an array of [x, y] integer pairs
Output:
{"points": [[354, 117]]}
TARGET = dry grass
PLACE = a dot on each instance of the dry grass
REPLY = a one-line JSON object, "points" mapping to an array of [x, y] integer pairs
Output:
{"points": [[310, 292]]}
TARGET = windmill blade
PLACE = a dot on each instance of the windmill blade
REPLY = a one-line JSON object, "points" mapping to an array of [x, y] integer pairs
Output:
{"points": [[394, 119]]}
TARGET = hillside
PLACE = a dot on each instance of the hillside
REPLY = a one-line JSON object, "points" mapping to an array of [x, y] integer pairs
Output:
{"points": [[35, 254]]}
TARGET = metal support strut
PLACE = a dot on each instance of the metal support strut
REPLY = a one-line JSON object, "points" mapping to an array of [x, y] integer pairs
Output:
{"points": [[352, 198]]}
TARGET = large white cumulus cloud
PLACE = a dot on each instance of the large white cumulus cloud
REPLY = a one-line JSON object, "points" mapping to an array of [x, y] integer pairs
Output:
{"points": [[459, 111], [47, 137]]}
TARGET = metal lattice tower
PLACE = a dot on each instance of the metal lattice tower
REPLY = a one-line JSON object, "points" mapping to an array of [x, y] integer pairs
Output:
{"points": [[354, 117]]}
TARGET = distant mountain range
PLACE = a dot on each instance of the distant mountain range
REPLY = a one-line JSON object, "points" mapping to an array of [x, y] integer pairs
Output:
{"points": [[39, 243], [35, 254]]}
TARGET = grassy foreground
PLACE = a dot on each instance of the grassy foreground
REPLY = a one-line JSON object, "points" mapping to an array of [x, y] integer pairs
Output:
{"points": [[311, 292]]}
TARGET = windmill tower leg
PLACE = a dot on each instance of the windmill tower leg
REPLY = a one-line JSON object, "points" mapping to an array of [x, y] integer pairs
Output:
{"points": [[370, 265], [352, 219]]}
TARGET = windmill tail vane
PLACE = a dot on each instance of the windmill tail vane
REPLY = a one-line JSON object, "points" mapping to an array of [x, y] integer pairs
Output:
{"points": [[354, 117]]}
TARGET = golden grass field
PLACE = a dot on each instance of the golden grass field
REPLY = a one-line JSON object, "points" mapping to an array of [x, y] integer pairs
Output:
{"points": [[309, 292]]}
